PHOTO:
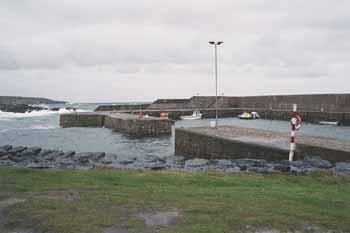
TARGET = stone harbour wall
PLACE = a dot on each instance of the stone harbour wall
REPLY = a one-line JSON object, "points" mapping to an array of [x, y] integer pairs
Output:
{"points": [[192, 143], [82, 120], [138, 127], [125, 123], [196, 145]]}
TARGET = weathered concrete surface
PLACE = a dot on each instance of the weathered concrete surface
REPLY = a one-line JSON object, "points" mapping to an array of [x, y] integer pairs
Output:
{"points": [[121, 122], [228, 142]]}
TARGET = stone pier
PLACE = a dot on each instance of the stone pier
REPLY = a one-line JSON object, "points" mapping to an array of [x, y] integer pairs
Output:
{"points": [[228, 142], [120, 122]]}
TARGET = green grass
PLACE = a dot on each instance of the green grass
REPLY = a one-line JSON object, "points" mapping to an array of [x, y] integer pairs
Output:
{"points": [[209, 202]]}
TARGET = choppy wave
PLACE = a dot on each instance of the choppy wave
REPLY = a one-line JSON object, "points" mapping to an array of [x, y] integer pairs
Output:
{"points": [[8, 115]]}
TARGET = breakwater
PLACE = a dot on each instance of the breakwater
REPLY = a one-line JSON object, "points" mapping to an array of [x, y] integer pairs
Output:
{"points": [[120, 122], [36, 157], [312, 108], [343, 118], [228, 142]]}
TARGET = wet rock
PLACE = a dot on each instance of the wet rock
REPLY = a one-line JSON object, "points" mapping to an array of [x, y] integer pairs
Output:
{"points": [[233, 170], [342, 168], [154, 159], [5, 157], [55, 109], [282, 166], [109, 158], [297, 163], [223, 163], [54, 155], [16, 150], [69, 154], [317, 162], [196, 163], [244, 164], [176, 162], [263, 170], [296, 170], [19, 108], [70, 108], [125, 160], [4, 150], [45, 152], [156, 165], [98, 156], [83, 157], [30, 151]]}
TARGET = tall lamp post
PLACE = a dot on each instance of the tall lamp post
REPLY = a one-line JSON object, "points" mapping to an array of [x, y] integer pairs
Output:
{"points": [[216, 43]]}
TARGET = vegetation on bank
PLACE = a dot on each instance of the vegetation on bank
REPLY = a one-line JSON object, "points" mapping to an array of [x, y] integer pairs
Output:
{"points": [[68, 200]]}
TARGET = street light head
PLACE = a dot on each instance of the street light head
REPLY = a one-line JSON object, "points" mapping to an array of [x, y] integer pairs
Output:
{"points": [[211, 42], [220, 42]]}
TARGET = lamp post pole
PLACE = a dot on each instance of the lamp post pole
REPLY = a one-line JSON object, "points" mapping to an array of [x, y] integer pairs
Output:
{"points": [[216, 79]]}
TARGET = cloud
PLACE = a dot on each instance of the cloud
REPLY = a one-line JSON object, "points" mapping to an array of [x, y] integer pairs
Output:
{"points": [[160, 40]]}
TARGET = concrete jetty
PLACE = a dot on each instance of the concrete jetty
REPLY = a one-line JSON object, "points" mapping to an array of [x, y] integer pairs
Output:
{"points": [[120, 122], [228, 142]]}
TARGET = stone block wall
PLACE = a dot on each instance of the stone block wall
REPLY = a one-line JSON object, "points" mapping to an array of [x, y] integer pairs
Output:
{"points": [[197, 145], [139, 127], [79, 120], [125, 123], [192, 144]]}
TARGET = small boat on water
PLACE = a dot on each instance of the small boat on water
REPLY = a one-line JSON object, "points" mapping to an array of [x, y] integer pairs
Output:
{"points": [[249, 116], [195, 116], [329, 122]]}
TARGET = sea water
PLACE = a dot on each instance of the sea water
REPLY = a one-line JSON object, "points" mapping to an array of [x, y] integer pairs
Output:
{"points": [[41, 128]]}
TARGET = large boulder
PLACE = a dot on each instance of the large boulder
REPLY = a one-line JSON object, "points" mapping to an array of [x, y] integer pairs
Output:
{"points": [[83, 157], [317, 162], [109, 158], [126, 160], [201, 164], [177, 162], [30, 152], [245, 164], [16, 150], [342, 168]]}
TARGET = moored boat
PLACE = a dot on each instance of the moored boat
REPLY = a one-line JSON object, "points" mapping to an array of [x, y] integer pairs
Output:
{"points": [[195, 116], [329, 122], [249, 116]]}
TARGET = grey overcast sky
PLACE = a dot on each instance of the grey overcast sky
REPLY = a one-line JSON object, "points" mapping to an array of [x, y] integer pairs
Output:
{"points": [[115, 50]]}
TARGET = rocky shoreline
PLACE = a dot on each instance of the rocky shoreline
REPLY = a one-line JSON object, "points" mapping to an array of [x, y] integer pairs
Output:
{"points": [[24, 108], [36, 157]]}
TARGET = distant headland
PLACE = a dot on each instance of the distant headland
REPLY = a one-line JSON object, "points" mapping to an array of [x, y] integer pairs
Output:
{"points": [[27, 100]]}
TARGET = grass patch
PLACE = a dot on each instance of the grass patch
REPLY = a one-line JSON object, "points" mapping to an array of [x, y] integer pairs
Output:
{"points": [[92, 200]]}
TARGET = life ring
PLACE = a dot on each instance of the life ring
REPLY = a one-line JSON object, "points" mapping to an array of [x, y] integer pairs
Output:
{"points": [[298, 124]]}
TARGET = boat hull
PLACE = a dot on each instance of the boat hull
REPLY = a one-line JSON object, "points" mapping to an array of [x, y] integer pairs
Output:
{"points": [[191, 117]]}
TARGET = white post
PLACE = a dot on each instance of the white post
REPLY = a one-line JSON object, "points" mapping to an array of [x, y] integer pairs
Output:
{"points": [[293, 122]]}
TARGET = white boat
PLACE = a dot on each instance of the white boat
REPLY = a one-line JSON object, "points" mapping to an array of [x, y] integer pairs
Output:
{"points": [[249, 116], [329, 122], [195, 116]]}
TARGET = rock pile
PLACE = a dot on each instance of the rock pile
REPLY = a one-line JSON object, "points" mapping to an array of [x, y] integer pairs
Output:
{"points": [[36, 157]]}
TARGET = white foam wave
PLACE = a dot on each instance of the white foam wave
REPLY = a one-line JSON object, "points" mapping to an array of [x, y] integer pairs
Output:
{"points": [[7, 115]]}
